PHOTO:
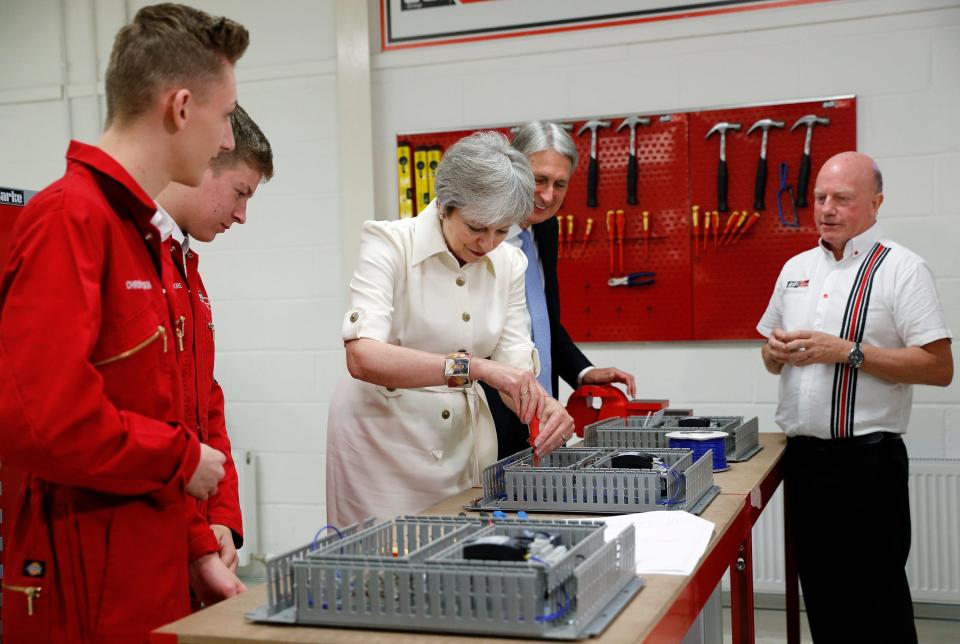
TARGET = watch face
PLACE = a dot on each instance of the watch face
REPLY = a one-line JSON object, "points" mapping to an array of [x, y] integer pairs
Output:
{"points": [[855, 358]]}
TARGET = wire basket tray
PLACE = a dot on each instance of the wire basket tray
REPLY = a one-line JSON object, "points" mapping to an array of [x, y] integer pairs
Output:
{"points": [[584, 481], [409, 573], [632, 432]]}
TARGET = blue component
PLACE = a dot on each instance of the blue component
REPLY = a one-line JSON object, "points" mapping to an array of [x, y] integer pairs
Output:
{"points": [[499, 514], [522, 515]]}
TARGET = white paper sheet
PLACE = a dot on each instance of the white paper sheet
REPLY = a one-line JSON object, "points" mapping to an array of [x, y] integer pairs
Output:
{"points": [[668, 542]]}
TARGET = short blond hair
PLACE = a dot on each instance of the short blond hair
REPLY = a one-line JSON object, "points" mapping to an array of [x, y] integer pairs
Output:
{"points": [[168, 44]]}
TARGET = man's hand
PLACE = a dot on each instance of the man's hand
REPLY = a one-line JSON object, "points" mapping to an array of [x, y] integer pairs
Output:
{"points": [[556, 427], [212, 581], [607, 375], [228, 552], [204, 480], [802, 348]]}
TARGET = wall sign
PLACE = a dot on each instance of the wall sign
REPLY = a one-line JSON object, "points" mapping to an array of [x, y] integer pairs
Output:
{"points": [[421, 23]]}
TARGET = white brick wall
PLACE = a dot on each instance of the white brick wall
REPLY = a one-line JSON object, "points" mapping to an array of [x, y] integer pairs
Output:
{"points": [[277, 283]]}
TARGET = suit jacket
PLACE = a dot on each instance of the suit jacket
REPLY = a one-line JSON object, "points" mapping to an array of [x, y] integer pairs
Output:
{"points": [[568, 360]]}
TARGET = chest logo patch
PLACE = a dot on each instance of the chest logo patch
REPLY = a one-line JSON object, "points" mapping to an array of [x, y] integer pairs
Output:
{"points": [[34, 568], [206, 300], [798, 283], [139, 285], [178, 285]]}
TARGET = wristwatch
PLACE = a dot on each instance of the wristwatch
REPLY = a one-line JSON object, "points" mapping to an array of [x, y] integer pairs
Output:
{"points": [[456, 369], [855, 357]]}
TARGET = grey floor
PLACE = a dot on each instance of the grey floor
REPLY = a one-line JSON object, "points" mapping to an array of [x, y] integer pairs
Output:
{"points": [[771, 628]]}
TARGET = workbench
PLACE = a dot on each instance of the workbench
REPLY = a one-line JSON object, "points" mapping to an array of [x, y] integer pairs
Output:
{"points": [[662, 612]]}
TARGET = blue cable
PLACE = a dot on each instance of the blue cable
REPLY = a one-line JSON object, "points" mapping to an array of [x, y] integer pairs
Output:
{"points": [[564, 609], [329, 526]]}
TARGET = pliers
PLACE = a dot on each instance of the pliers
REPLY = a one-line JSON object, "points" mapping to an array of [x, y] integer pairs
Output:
{"points": [[633, 279], [785, 187]]}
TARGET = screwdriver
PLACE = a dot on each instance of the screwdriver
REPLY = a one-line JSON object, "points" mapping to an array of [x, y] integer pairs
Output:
{"points": [[731, 218], [695, 230], [716, 225], [646, 234], [750, 223], [610, 237], [621, 221], [586, 235], [737, 227], [706, 228], [534, 432], [569, 235], [560, 236]]}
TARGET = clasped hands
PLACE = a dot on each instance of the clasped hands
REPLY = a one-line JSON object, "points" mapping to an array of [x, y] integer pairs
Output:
{"points": [[804, 347]]}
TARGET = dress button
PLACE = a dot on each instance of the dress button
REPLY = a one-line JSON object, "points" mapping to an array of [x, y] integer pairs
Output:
{"points": [[466, 317], [461, 281], [354, 317], [445, 414]]}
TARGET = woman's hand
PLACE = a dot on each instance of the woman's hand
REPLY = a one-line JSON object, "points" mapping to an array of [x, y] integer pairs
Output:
{"points": [[516, 386], [556, 427]]}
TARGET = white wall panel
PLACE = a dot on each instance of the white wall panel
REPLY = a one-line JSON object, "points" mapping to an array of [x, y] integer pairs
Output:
{"points": [[273, 427]]}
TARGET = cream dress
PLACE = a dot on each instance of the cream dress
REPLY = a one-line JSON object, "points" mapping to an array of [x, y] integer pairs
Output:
{"points": [[398, 451]]}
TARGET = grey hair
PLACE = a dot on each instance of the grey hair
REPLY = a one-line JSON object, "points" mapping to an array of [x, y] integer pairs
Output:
{"points": [[877, 178], [538, 136], [487, 179]]}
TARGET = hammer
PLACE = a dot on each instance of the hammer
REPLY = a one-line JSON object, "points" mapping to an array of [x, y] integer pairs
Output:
{"points": [[593, 171], [760, 186], [722, 169], [809, 120], [632, 122]]}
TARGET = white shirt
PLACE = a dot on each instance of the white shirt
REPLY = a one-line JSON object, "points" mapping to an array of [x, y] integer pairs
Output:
{"points": [[901, 309], [397, 451]]}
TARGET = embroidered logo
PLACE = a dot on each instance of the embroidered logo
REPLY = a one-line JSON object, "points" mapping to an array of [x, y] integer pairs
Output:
{"points": [[139, 285], [34, 568], [206, 300], [11, 197], [798, 284], [178, 285]]}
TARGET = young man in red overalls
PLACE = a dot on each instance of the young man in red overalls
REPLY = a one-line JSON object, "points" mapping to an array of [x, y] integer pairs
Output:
{"points": [[91, 405], [201, 213]]}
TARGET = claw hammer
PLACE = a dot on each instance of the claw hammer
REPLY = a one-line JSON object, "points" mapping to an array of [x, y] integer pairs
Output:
{"points": [[760, 186], [593, 170], [809, 120], [722, 168], [632, 122]]}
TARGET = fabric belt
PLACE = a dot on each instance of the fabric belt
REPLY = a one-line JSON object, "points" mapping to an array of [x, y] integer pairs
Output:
{"points": [[830, 444]]}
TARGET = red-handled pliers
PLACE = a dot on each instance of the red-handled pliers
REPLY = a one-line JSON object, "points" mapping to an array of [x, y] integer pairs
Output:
{"points": [[633, 279]]}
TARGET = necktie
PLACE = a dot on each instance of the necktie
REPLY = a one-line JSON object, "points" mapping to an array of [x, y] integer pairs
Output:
{"points": [[537, 305]]}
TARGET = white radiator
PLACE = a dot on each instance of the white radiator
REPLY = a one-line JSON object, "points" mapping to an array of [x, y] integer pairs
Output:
{"points": [[246, 463], [934, 564]]}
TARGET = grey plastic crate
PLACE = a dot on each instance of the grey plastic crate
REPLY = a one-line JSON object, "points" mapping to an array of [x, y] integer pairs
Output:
{"points": [[742, 442], [582, 480], [356, 583]]}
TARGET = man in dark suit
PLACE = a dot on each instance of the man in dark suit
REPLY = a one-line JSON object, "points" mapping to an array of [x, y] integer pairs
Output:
{"points": [[553, 158]]}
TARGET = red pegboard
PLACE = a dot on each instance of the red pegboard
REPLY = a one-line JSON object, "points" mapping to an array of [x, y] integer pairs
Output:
{"points": [[712, 293]]}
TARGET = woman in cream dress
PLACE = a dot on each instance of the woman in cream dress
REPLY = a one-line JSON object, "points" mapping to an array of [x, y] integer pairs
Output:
{"points": [[399, 439]]}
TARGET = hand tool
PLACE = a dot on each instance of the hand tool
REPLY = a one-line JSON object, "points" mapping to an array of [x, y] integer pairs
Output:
{"points": [[610, 237], [434, 154], [722, 168], [695, 228], [786, 188], [559, 235], [809, 120], [593, 170], [706, 228], [421, 188], [534, 426], [760, 184], [569, 235], [646, 234], [621, 222], [404, 180], [736, 227], [731, 219], [586, 236], [750, 223], [716, 226], [632, 122], [633, 279]]}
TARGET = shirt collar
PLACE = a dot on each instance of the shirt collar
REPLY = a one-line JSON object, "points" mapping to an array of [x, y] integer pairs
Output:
{"points": [[98, 160], [858, 245], [428, 238], [166, 225]]}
